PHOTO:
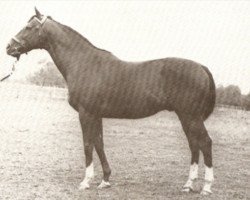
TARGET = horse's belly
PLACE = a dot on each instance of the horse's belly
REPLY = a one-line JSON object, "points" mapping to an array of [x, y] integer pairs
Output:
{"points": [[130, 108], [134, 99], [128, 113]]}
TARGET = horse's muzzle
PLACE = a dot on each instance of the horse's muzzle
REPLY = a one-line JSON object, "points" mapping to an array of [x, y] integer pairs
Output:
{"points": [[13, 51]]}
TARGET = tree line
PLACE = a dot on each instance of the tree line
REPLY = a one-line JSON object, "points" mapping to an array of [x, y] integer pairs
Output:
{"points": [[230, 95]]}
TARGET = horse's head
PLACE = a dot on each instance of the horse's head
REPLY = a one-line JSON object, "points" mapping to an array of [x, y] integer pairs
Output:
{"points": [[30, 37]]}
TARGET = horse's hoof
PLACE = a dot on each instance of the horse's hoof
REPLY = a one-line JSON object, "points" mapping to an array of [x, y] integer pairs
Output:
{"points": [[104, 184], [206, 192], [84, 186], [187, 189]]}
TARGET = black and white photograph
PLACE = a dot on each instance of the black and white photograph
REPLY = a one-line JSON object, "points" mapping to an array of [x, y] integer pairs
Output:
{"points": [[124, 100]]}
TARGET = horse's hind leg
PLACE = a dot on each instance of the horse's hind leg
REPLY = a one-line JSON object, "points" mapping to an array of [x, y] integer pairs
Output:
{"points": [[205, 145], [99, 146], [197, 134], [194, 148], [199, 139]]}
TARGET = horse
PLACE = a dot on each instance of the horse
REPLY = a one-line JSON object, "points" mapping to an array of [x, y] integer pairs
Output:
{"points": [[100, 85]]}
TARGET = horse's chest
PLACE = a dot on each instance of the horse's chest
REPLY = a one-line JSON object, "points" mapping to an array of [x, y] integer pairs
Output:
{"points": [[73, 99], [88, 96]]}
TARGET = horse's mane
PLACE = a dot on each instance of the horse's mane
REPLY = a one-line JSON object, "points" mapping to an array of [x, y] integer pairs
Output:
{"points": [[69, 29]]}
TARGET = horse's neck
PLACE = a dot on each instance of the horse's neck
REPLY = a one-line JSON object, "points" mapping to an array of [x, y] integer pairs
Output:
{"points": [[66, 49]]}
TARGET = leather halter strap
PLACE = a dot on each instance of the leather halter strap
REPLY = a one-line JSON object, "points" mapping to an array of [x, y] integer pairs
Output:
{"points": [[42, 21], [17, 40]]}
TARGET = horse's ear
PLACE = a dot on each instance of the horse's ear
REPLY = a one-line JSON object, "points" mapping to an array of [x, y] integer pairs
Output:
{"points": [[38, 14]]}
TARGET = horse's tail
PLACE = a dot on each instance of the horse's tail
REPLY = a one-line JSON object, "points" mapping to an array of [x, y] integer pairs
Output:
{"points": [[210, 104]]}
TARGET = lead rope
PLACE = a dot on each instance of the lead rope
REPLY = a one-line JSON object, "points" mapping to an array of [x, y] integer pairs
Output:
{"points": [[12, 70]]}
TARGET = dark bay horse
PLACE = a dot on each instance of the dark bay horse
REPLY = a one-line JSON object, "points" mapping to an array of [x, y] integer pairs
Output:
{"points": [[102, 86]]}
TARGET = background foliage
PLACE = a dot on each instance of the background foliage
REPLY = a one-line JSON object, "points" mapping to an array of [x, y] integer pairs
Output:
{"points": [[48, 75]]}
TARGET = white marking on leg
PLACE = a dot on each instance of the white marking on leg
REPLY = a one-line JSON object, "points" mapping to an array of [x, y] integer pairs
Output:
{"points": [[209, 178], [104, 184], [193, 174], [89, 174], [209, 174]]}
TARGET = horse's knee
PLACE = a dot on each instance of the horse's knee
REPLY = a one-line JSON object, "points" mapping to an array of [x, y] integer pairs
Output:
{"points": [[205, 142], [193, 144], [88, 148], [209, 142]]}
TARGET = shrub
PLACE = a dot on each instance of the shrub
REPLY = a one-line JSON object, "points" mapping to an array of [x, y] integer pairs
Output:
{"points": [[246, 101], [48, 75], [230, 95]]}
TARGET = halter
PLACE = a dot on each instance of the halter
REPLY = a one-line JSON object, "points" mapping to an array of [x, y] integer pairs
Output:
{"points": [[42, 22], [19, 42]]}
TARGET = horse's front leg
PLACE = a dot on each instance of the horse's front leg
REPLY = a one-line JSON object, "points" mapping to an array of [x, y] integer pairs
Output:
{"points": [[91, 128]]}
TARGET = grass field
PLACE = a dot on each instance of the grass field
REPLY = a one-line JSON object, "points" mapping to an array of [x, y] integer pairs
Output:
{"points": [[41, 152]]}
